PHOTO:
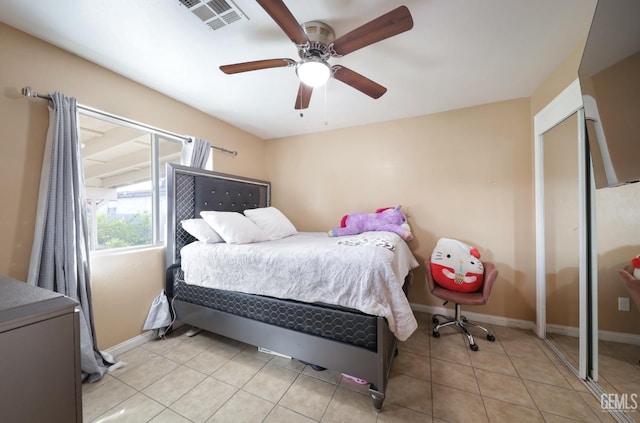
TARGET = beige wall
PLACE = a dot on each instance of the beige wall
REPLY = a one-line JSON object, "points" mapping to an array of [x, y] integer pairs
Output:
{"points": [[618, 237], [558, 80], [427, 165], [464, 174], [617, 214], [617, 229], [123, 285], [615, 89]]}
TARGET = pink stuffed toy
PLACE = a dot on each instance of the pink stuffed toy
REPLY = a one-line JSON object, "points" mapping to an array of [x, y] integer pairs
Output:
{"points": [[388, 219]]}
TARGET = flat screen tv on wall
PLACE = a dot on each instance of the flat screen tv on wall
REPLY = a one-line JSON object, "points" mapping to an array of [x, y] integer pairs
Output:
{"points": [[609, 76]]}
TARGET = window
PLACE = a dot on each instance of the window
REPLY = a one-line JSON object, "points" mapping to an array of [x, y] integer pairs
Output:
{"points": [[124, 170]]}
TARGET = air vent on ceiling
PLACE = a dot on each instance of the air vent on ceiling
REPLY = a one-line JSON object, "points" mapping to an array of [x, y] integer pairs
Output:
{"points": [[215, 13]]}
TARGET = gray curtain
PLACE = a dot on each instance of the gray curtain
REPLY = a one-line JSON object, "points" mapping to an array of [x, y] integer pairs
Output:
{"points": [[195, 153], [60, 253]]}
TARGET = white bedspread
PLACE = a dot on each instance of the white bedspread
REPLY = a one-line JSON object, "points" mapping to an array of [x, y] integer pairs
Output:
{"points": [[311, 267]]}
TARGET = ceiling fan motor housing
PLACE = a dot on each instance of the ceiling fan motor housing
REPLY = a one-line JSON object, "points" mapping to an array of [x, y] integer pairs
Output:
{"points": [[320, 37]]}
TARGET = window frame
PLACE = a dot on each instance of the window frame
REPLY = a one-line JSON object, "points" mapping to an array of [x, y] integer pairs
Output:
{"points": [[156, 135]]}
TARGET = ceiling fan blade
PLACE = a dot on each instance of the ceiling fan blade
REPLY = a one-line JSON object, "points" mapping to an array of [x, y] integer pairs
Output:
{"points": [[285, 20], [359, 82], [256, 65], [393, 23], [304, 96]]}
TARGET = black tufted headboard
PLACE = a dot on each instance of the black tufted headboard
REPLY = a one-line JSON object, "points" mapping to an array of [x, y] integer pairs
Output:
{"points": [[191, 190]]}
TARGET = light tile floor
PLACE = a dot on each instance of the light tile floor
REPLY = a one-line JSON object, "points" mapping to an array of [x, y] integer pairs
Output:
{"points": [[618, 365], [208, 378]]}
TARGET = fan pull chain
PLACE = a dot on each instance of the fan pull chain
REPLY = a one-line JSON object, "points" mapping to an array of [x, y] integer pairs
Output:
{"points": [[326, 121], [300, 100]]}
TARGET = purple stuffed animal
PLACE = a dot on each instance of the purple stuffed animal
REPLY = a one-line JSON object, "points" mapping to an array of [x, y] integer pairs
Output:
{"points": [[388, 219]]}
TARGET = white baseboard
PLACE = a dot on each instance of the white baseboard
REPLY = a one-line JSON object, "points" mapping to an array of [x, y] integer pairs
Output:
{"points": [[603, 335], [625, 338], [135, 342], [477, 317], [130, 344], [563, 330]]}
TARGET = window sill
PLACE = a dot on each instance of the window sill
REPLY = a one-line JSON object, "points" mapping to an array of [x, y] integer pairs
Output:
{"points": [[125, 250]]}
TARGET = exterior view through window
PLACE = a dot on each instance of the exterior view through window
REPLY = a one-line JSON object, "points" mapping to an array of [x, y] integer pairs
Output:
{"points": [[124, 170]]}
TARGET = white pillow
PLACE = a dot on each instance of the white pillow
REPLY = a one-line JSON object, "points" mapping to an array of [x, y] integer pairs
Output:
{"points": [[201, 231], [233, 227], [272, 222]]}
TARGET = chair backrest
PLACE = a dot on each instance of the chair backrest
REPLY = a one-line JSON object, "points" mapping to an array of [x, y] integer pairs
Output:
{"points": [[431, 283], [490, 276]]}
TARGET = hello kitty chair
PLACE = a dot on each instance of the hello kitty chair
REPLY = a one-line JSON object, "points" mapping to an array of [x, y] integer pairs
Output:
{"points": [[478, 297], [631, 283]]}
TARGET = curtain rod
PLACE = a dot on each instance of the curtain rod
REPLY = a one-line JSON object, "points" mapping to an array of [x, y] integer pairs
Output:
{"points": [[28, 92]]}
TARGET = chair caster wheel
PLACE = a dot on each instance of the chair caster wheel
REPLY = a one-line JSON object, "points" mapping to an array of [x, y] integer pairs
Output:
{"points": [[435, 320], [474, 347], [436, 334], [464, 319], [491, 337]]}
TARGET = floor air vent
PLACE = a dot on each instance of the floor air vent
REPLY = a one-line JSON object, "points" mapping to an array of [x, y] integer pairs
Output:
{"points": [[215, 13]]}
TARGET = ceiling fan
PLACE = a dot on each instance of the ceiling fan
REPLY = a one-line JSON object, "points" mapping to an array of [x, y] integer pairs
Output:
{"points": [[316, 43]]}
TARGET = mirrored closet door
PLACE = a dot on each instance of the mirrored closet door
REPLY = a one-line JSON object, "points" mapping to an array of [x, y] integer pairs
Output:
{"points": [[564, 314], [617, 231], [585, 236], [562, 240], [609, 76]]}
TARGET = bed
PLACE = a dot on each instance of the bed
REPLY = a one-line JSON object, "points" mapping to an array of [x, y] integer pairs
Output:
{"points": [[340, 337]]}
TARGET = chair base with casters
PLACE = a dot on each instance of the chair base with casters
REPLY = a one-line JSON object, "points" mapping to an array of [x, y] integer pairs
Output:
{"points": [[459, 321], [462, 298]]}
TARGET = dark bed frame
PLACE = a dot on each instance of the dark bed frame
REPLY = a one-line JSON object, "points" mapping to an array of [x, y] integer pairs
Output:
{"points": [[191, 190]]}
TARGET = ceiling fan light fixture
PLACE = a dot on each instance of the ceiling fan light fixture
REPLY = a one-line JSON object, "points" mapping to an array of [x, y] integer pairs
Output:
{"points": [[313, 72]]}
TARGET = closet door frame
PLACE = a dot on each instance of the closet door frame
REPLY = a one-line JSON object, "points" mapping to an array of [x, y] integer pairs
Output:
{"points": [[568, 102]]}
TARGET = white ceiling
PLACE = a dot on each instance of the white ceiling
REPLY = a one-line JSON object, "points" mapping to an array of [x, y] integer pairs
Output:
{"points": [[459, 53]]}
